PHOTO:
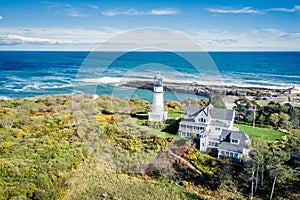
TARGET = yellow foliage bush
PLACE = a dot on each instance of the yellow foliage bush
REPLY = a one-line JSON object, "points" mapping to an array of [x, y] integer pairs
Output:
{"points": [[101, 118]]}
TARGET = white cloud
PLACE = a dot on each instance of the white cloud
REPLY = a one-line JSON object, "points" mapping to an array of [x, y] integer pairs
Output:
{"points": [[54, 36], [59, 38], [17, 39], [258, 39], [276, 34], [1, 17], [93, 6], [245, 10], [65, 9], [289, 10], [133, 11], [216, 38], [164, 12]]}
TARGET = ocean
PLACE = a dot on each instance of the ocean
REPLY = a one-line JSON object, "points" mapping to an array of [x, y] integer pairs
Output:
{"points": [[35, 73]]}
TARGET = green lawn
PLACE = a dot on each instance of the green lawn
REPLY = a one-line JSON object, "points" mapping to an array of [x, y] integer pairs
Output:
{"points": [[161, 133], [267, 134], [262, 102], [142, 118], [174, 115]]}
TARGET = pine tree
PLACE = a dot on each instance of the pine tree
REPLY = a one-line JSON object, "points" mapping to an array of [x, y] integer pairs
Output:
{"points": [[277, 168], [293, 117]]}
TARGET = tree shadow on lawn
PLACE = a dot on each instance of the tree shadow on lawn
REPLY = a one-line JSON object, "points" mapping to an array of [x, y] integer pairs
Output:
{"points": [[172, 126], [140, 116]]}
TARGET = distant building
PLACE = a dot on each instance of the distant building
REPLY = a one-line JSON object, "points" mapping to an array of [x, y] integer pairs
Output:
{"points": [[158, 113], [213, 127], [292, 90]]}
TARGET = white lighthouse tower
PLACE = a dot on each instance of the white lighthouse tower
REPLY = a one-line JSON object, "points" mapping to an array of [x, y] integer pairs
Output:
{"points": [[158, 113]]}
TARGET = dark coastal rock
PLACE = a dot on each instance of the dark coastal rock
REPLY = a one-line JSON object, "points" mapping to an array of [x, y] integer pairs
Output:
{"points": [[202, 90]]}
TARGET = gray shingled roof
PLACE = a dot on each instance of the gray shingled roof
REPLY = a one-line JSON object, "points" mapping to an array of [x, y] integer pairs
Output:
{"points": [[224, 133], [221, 114], [187, 120], [218, 124], [239, 136], [193, 110], [230, 147], [215, 113], [191, 122], [227, 146]]}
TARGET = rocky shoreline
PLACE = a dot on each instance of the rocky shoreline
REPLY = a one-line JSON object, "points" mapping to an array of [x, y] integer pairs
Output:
{"points": [[207, 90]]}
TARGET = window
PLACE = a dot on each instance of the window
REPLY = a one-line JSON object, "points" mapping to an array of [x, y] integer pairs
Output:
{"points": [[222, 152], [202, 120], [213, 144], [231, 154], [234, 141], [203, 144], [236, 155], [217, 129], [227, 153]]}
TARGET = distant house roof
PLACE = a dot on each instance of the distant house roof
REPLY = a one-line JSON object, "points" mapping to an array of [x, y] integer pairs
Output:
{"points": [[291, 89], [228, 135], [215, 113]]}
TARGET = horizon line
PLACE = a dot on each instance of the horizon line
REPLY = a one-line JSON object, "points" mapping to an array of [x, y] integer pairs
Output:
{"points": [[70, 50]]}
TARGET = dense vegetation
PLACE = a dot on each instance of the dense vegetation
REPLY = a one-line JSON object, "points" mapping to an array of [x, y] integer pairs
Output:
{"points": [[273, 115], [77, 147], [38, 148]]}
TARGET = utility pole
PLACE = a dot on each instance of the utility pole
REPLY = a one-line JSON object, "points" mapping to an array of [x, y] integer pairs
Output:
{"points": [[254, 117], [252, 109]]}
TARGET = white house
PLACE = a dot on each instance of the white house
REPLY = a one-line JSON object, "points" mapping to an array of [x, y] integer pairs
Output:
{"points": [[209, 125], [292, 90]]}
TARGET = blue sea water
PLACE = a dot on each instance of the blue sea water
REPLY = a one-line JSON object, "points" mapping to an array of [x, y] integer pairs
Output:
{"points": [[33, 73]]}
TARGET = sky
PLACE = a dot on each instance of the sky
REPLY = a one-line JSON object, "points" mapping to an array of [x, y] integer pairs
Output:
{"points": [[240, 25]]}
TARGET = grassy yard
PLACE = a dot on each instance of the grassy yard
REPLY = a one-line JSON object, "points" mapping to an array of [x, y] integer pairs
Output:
{"points": [[161, 133], [262, 102], [267, 134], [174, 115], [142, 118]]}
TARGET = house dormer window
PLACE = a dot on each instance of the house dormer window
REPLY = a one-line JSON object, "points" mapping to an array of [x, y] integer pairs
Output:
{"points": [[202, 120], [234, 141]]}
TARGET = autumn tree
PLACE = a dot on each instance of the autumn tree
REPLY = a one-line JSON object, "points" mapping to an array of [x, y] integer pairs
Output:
{"points": [[274, 119]]}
